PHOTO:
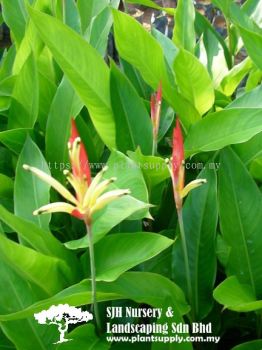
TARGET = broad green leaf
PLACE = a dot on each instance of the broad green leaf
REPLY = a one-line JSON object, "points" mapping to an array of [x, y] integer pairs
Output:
{"points": [[256, 168], [194, 81], [133, 124], [231, 81], [224, 5], [84, 68], [31, 43], [30, 193], [200, 214], [169, 48], [71, 15], [236, 296], [212, 55], [240, 205], [251, 345], [250, 99], [47, 91], [27, 333], [84, 337], [66, 104], [135, 78], [120, 252], [7, 61], [24, 106], [39, 239], [155, 169], [184, 31], [139, 52], [109, 217], [250, 150], [88, 10], [99, 29], [223, 128], [141, 287], [5, 342], [203, 26], [29, 263], [15, 16], [14, 139], [254, 78], [6, 189], [253, 44]]}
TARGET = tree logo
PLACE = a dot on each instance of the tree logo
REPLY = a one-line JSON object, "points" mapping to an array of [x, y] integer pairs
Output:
{"points": [[62, 316]]}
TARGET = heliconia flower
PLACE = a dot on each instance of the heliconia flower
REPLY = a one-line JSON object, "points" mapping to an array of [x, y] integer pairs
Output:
{"points": [[177, 170], [155, 103], [89, 194]]}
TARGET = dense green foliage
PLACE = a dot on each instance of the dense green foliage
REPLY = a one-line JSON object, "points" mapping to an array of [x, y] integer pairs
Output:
{"points": [[58, 68]]}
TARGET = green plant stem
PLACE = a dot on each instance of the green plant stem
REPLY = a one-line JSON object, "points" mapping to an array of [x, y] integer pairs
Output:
{"points": [[154, 148], [184, 247], [93, 275], [230, 48]]}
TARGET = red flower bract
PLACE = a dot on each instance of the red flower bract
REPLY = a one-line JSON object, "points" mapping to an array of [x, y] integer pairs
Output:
{"points": [[178, 150], [80, 164]]}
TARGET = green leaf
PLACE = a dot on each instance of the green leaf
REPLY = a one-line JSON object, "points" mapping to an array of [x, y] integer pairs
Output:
{"points": [[24, 106], [251, 345], [66, 104], [194, 81], [27, 333], [250, 150], [212, 39], [84, 337], [126, 251], [29, 263], [169, 48], [154, 169], [6, 191], [200, 214], [253, 44], [236, 296], [30, 193], [141, 287], [91, 81], [223, 128], [133, 124], [240, 205], [184, 31], [88, 10], [231, 81], [15, 16], [139, 53], [99, 29], [39, 239], [72, 17], [250, 99], [14, 139]]}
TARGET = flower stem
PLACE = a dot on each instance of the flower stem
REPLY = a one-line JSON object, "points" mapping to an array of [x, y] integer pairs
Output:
{"points": [[154, 148], [184, 247], [93, 275]]}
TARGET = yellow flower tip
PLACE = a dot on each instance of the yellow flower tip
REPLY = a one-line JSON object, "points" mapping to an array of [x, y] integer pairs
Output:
{"points": [[36, 212], [112, 179], [26, 167], [104, 169], [167, 160]]}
